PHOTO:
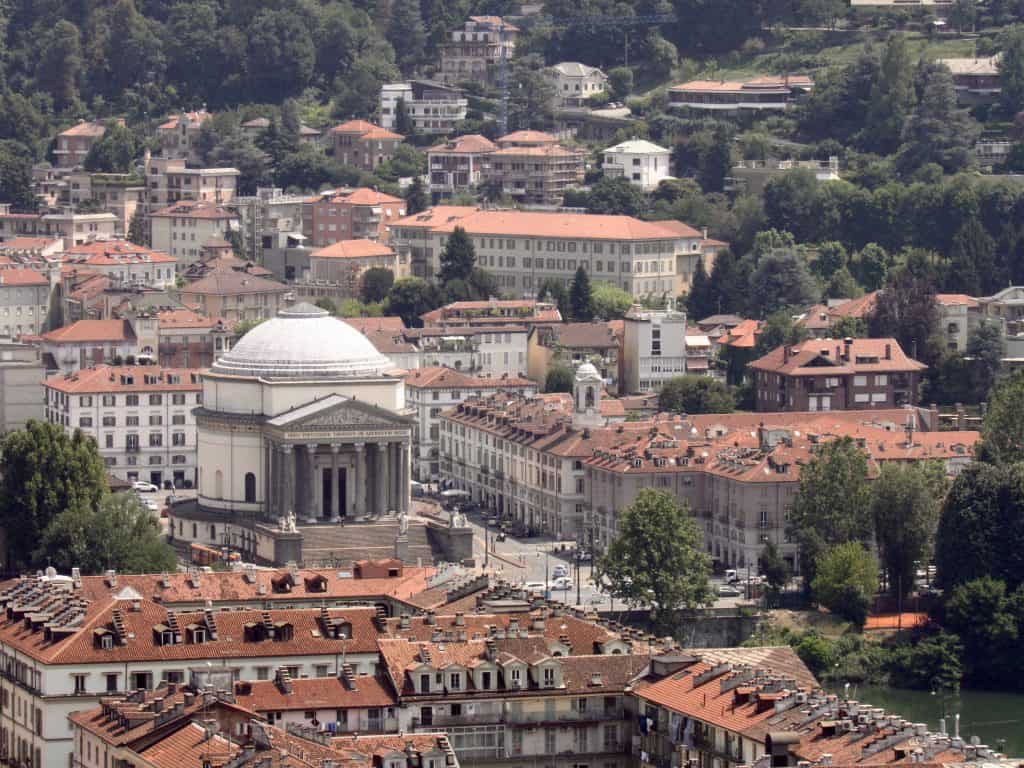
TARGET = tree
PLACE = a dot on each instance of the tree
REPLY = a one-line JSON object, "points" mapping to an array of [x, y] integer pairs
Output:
{"points": [[610, 302], [138, 231], [1011, 69], [416, 199], [892, 98], [906, 310], [846, 580], [986, 346], [781, 280], [404, 123], [16, 177], [849, 327], [114, 153], [326, 303], [938, 131], [972, 255], [700, 300], [307, 168], [44, 472], [457, 258], [832, 504], [253, 164], [531, 94], [376, 284], [980, 532], [988, 619], [657, 559], [620, 81], [117, 533], [696, 394], [728, 284], [963, 14], [559, 379], [579, 297], [779, 329], [615, 195], [553, 290], [1002, 433], [905, 504], [407, 34], [59, 64], [791, 203], [411, 297], [843, 285], [774, 567], [281, 55]]}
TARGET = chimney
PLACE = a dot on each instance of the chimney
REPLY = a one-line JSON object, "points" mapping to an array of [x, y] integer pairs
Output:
{"points": [[848, 344], [403, 622], [785, 353], [431, 618], [460, 619], [888, 351]]}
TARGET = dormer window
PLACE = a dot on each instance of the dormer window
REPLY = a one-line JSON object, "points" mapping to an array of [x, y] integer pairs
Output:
{"points": [[515, 675], [195, 634], [549, 677], [455, 681], [107, 642], [424, 683]]}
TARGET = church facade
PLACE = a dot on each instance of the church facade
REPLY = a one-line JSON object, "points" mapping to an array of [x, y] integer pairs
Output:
{"points": [[302, 423]]}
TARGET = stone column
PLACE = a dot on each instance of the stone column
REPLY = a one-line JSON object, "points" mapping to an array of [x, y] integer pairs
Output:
{"points": [[358, 480], [336, 501], [404, 469], [288, 471], [311, 480], [381, 501]]}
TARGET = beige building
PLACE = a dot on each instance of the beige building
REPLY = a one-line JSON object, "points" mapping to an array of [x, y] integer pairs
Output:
{"points": [[179, 135], [362, 144], [74, 144], [476, 47], [235, 296], [181, 229], [168, 180], [532, 167], [72, 228], [21, 384], [342, 264], [457, 165], [572, 344], [575, 83], [524, 248], [118, 193]]}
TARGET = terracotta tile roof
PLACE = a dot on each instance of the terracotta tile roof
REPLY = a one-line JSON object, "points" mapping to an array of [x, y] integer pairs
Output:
{"points": [[956, 299], [352, 249], [440, 377], [84, 128], [366, 130], [817, 357], [365, 324], [526, 137], [193, 117], [755, 85], [28, 243], [367, 196], [195, 209], [861, 307], [259, 586], [174, 319], [115, 253], [189, 747], [86, 331], [229, 282], [436, 216], [314, 693], [105, 379], [590, 226], [596, 335], [390, 744], [493, 311], [548, 150], [470, 144], [22, 277], [742, 336]]}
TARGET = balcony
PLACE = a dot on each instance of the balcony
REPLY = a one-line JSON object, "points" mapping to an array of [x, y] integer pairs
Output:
{"points": [[595, 714]]}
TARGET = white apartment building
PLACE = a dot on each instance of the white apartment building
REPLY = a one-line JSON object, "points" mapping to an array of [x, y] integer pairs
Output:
{"points": [[168, 181], [524, 248], [575, 83], [654, 348], [140, 417], [434, 108], [430, 391], [643, 163], [182, 229], [87, 650], [127, 264], [24, 301]]}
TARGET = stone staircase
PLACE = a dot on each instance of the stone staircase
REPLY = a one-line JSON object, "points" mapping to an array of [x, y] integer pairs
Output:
{"points": [[371, 540]]}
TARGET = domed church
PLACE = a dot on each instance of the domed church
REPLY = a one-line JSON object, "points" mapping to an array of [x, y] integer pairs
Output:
{"points": [[300, 424]]}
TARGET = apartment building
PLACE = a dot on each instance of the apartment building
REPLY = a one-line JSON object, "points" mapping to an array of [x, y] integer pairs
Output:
{"points": [[179, 135], [265, 219], [642, 163], [362, 144], [121, 194], [21, 384], [532, 167], [572, 344], [169, 180], [575, 83], [432, 390], [74, 143], [358, 214], [181, 229], [187, 339], [654, 348], [140, 417], [474, 49], [88, 342], [434, 108], [30, 251], [340, 266], [497, 350], [89, 650], [819, 319], [25, 301], [959, 315], [70, 227], [836, 374], [235, 296], [522, 249], [126, 264], [456, 165], [766, 93]]}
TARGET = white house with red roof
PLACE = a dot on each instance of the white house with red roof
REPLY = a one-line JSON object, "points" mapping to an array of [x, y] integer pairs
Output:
{"points": [[127, 264], [88, 342], [182, 229]]}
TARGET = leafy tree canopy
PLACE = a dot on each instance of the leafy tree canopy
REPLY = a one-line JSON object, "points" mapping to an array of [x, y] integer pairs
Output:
{"points": [[846, 580], [696, 394]]}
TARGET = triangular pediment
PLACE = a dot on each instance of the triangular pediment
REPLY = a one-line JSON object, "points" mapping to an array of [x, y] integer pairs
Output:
{"points": [[337, 412]]}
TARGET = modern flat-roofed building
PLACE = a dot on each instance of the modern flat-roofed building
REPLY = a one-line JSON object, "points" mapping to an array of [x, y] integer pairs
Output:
{"points": [[434, 108], [21, 384], [758, 95], [642, 163]]}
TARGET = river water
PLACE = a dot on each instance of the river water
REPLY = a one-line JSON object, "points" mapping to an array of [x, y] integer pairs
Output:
{"points": [[989, 715]]}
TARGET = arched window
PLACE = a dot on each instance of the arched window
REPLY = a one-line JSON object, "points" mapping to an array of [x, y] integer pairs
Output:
{"points": [[218, 485], [250, 487], [590, 397]]}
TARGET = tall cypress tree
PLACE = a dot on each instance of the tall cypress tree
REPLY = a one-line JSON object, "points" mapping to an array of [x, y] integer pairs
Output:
{"points": [[458, 257], [579, 297], [699, 301]]}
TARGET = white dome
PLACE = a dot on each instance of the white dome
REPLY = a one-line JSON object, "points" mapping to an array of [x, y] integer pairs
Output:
{"points": [[587, 371], [303, 342]]}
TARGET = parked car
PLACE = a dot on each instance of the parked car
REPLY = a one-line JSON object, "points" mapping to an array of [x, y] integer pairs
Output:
{"points": [[535, 587], [562, 582], [559, 570], [151, 505], [726, 590], [143, 487]]}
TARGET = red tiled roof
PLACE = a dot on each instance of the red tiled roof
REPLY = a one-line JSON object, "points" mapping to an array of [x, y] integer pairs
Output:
{"points": [[91, 130], [189, 747], [115, 253], [956, 299], [352, 249], [366, 324], [367, 196], [440, 377], [472, 143], [195, 209], [28, 243], [802, 359], [22, 277], [366, 130], [85, 331], [527, 137], [105, 378], [230, 282], [171, 319], [314, 693]]}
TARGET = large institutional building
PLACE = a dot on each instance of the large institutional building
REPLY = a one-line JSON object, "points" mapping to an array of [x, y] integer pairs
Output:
{"points": [[301, 422]]}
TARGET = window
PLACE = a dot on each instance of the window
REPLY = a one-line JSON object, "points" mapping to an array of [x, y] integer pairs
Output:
{"points": [[881, 380], [178, 419], [85, 401], [549, 740], [109, 421], [111, 682], [109, 401], [262, 673], [79, 681], [860, 381], [516, 676], [549, 677], [455, 681], [85, 421], [320, 670], [156, 420], [178, 398], [156, 439], [178, 438], [131, 400], [156, 399]]}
